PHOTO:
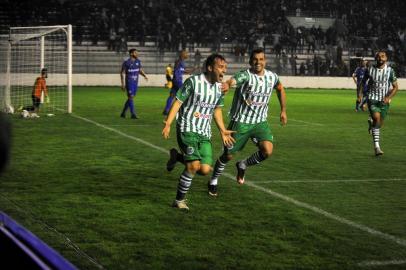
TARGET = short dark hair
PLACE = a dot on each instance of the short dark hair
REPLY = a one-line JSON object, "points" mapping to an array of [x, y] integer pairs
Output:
{"points": [[254, 52], [211, 59], [44, 70], [130, 51]]}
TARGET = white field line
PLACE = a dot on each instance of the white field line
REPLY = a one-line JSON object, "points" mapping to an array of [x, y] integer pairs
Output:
{"points": [[300, 121], [381, 263], [315, 209], [329, 180], [121, 133]]}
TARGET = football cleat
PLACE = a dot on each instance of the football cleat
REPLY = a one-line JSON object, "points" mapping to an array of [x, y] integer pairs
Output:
{"points": [[212, 189], [240, 173], [122, 115], [180, 204], [173, 154], [378, 152], [134, 116]]}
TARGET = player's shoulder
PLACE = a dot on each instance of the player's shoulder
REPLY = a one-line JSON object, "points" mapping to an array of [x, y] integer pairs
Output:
{"points": [[194, 78], [242, 73], [271, 74], [126, 61]]}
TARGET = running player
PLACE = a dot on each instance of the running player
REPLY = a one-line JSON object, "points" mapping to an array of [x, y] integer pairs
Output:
{"points": [[380, 78], [197, 102], [130, 70], [249, 112]]}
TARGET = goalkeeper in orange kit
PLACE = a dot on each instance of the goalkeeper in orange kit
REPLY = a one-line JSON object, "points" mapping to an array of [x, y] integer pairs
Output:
{"points": [[39, 87]]}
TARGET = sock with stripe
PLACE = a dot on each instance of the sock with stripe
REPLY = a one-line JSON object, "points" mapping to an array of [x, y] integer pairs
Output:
{"points": [[376, 137], [185, 181], [254, 159], [218, 170]]}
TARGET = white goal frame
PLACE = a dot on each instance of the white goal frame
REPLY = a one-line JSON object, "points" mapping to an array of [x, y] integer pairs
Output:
{"points": [[39, 32]]}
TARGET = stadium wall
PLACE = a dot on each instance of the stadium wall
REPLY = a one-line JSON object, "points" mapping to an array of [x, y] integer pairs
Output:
{"points": [[288, 81]]}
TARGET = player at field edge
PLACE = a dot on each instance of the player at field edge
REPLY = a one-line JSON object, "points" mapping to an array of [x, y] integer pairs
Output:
{"points": [[362, 91], [168, 76], [248, 113], [177, 79], [379, 78], [130, 71], [199, 100]]}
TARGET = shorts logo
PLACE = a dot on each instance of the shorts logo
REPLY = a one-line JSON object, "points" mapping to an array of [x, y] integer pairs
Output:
{"points": [[190, 150]]}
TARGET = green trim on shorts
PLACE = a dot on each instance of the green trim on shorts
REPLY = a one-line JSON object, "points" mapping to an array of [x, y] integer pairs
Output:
{"points": [[195, 147], [256, 132], [378, 107]]}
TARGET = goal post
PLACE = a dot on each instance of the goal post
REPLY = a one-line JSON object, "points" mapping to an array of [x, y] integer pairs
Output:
{"points": [[26, 52]]}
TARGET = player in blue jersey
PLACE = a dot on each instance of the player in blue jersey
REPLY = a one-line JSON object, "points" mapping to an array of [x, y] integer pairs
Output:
{"points": [[130, 71], [177, 79], [357, 76]]}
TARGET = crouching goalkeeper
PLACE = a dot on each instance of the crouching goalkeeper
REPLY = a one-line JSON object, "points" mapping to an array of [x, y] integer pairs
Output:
{"points": [[39, 87]]}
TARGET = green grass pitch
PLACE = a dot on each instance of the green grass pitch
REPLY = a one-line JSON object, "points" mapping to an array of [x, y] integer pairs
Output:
{"points": [[94, 187]]}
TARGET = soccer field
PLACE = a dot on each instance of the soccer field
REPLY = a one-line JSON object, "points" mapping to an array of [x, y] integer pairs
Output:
{"points": [[94, 186]]}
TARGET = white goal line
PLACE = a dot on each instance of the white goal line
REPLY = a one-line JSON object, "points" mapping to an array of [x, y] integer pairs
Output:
{"points": [[328, 180], [381, 263]]}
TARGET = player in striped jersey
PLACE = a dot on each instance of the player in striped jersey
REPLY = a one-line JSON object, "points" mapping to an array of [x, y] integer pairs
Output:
{"points": [[197, 102], [130, 70], [380, 78], [249, 112]]}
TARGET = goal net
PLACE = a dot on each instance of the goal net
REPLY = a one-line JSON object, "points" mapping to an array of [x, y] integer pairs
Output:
{"points": [[27, 51]]}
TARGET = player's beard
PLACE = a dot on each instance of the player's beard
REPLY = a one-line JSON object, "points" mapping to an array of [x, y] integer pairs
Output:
{"points": [[381, 63]]}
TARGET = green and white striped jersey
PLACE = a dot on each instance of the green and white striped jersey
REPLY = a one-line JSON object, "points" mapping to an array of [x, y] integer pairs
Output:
{"points": [[379, 81], [199, 99], [252, 96]]}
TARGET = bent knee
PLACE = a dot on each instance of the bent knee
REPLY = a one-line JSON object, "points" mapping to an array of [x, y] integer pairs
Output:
{"points": [[205, 169], [267, 150]]}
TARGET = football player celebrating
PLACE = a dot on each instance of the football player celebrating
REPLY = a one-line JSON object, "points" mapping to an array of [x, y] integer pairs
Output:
{"points": [[197, 102]]}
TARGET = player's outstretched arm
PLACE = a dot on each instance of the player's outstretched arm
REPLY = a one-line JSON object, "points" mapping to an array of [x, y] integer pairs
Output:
{"points": [[171, 116], [225, 86], [280, 90], [226, 135]]}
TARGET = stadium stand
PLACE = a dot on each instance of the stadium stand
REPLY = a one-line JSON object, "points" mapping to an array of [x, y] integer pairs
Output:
{"points": [[304, 37]]}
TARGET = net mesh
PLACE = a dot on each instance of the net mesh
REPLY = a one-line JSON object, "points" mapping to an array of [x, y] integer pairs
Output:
{"points": [[30, 50]]}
